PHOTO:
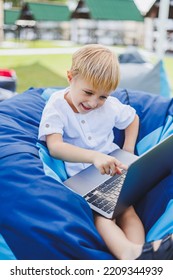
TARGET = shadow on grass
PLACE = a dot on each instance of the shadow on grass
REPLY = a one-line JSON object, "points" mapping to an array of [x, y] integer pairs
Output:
{"points": [[37, 75]]}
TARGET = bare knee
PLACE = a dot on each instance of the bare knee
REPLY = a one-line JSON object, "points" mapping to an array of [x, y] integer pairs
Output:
{"points": [[128, 214]]}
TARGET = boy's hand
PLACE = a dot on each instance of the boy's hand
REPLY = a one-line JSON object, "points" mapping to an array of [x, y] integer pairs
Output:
{"points": [[107, 164]]}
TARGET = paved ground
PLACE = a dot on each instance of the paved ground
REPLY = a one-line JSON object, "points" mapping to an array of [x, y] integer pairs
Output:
{"points": [[11, 49], [41, 51]]}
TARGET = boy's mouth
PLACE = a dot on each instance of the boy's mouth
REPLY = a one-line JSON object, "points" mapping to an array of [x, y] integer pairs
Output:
{"points": [[85, 108]]}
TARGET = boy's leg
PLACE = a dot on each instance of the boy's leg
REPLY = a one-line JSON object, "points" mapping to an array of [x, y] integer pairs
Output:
{"points": [[124, 249], [132, 226], [116, 240]]}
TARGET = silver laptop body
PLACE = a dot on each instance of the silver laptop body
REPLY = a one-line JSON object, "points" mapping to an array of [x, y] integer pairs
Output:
{"points": [[143, 174]]}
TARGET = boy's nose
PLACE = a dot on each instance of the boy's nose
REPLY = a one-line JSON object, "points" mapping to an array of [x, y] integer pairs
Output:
{"points": [[93, 103]]}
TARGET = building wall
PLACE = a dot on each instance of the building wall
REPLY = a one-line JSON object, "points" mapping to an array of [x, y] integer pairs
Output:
{"points": [[107, 32]]}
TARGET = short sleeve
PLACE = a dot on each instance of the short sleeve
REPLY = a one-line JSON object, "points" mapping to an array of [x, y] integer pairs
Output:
{"points": [[51, 122], [124, 114]]}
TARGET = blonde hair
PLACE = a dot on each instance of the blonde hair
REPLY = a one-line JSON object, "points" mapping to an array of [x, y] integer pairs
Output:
{"points": [[98, 65]]}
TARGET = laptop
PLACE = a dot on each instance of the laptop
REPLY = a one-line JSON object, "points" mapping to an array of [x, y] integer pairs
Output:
{"points": [[111, 195]]}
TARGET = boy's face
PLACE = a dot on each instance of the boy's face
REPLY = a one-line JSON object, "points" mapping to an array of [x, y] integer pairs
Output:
{"points": [[82, 97]]}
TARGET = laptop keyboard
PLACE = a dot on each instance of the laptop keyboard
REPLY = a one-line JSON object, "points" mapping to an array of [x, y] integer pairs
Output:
{"points": [[106, 195]]}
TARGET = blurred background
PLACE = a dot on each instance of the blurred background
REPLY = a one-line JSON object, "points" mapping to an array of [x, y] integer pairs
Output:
{"points": [[37, 39]]}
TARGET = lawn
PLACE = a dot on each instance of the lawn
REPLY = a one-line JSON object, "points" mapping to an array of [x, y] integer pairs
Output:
{"points": [[49, 70], [38, 70], [168, 62]]}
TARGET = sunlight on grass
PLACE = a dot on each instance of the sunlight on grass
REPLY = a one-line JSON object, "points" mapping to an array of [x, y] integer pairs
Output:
{"points": [[38, 70], [36, 75], [168, 61]]}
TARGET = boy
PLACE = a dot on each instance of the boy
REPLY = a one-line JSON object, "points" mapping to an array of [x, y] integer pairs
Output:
{"points": [[77, 126]]}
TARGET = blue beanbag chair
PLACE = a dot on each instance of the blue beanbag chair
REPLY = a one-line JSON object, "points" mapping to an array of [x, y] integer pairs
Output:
{"points": [[40, 218]]}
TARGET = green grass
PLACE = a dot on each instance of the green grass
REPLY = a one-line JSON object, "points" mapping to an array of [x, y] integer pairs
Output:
{"points": [[168, 62], [38, 70], [36, 75]]}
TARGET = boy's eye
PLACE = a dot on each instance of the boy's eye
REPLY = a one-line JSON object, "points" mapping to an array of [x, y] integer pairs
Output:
{"points": [[88, 92], [103, 97]]}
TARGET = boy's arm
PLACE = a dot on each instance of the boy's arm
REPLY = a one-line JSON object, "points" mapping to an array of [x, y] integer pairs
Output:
{"points": [[131, 133], [67, 152]]}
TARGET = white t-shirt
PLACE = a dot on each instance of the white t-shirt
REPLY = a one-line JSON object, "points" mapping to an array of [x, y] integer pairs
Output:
{"points": [[93, 130]]}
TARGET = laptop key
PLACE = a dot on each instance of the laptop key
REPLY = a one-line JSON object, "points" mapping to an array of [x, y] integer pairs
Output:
{"points": [[106, 195], [100, 205], [92, 198]]}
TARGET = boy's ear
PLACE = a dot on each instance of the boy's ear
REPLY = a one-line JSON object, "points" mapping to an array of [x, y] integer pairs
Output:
{"points": [[69, 76]]}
